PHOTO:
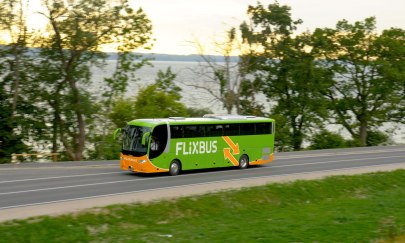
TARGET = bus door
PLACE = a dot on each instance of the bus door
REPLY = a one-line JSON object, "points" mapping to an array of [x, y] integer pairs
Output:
{"points": [[159, 140]]}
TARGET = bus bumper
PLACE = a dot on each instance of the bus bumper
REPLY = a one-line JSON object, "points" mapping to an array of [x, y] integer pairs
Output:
{"points": [[263, 160], [139, 164]]}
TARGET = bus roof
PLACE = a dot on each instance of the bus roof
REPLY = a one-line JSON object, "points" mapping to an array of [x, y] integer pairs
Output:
{"points": [[206, 119]]}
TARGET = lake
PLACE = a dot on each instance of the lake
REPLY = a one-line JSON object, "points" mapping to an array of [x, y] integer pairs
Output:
{"points": [[191, 97]]}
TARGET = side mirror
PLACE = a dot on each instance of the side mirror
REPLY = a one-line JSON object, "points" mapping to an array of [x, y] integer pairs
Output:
{"points": [[145, 138], [118, 130]]}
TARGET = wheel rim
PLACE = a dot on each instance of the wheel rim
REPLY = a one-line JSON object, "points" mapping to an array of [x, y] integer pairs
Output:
{"points": [[243, 162], [174, 168]]}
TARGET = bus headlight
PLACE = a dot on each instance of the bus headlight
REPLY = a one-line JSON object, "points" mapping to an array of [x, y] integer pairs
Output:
{"points": [[142, 161]]}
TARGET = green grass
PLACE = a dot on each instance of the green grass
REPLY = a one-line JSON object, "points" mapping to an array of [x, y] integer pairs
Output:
{"points": [[363, 208]]}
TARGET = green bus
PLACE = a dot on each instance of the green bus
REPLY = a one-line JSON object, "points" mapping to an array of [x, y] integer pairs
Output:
{"points": [[175, 144]]}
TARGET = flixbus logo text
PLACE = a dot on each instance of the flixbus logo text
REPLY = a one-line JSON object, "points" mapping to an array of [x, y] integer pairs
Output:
{"points": [[196, 147]]}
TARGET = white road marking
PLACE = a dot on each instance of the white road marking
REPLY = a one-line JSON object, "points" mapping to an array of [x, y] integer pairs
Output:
{"points": [[64, 187], [182, 186], [334, 161], [122, 181], [58, 177], [338, 153]]}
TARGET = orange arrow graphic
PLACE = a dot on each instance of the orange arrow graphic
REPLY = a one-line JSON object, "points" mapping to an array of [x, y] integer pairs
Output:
{"points": [[228, 155], [234, 147]]}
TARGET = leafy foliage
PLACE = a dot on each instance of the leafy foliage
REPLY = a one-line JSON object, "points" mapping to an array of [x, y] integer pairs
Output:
{"points": [[152, 102], [367, 87], [197, 112], [327, 140], [228, 81], [285, 69], [160, 99], [77, 31], [376, 138], [348, 75], [10, 142]]}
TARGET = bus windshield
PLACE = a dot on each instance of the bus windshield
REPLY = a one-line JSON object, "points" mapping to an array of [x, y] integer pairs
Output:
{"points": [[132, 140]]}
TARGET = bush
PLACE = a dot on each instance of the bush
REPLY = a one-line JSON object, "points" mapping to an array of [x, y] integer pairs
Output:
{"points": [[326, 139], [375, 138]]}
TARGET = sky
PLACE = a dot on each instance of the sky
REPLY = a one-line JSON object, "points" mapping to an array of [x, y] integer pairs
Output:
{"points": [[179, 24]]}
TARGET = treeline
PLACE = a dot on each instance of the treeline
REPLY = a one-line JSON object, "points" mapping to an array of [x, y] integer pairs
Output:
{"points": [[348, 75]]}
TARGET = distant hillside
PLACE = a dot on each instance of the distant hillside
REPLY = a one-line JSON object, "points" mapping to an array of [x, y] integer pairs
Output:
{"points": [[160, 57], [179, 58]]}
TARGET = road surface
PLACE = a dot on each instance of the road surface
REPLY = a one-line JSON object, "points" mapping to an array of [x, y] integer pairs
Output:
{"points": [[32, 189]]}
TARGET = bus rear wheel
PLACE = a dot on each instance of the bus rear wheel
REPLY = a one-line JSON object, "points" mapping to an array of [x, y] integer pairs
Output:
{"points": [[243, 162], [174, 168]]}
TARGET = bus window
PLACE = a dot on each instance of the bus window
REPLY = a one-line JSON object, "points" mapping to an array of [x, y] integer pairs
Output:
{"points": [[132, 140], [191, 131], [214, 130], [247, 129], [263, 128], [231, 129], [176, 131], [159, 141]]}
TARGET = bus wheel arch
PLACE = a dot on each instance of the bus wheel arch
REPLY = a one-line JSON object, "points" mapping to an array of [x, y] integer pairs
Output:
{"points": [[243, 161], [175, 167]]}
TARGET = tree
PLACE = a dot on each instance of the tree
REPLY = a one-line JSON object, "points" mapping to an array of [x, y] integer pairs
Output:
{"points": [[367, 86], [122, 111], [21, 120], [197, 112], [77, 30], [158, 100], [392, 45], [10, 142], [285, 68], [227, 80], [13, 25], [161, 99]]}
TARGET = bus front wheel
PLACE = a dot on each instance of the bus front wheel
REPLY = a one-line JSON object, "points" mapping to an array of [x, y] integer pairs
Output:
{"points": [[174, 168], [243, 162]]}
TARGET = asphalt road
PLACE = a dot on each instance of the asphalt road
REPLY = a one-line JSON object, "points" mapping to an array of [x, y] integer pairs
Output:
{"points": [[29, 185]]}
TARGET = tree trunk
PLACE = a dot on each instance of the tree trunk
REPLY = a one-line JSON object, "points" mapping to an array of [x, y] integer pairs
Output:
{"points": [[55, 131], [297, 136], [363, 133], [81, 136], [16, 80], [297, 140]]}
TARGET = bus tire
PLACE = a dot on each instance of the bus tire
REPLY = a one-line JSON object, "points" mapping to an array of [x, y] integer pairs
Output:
{"points": [[174, 168], [243, 162]]}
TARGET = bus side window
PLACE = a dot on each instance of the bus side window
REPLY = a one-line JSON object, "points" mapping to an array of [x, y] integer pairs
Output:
{"points": [[205, 130], [220, 129], [231, 129], [247, 129], [201, 130], [214, 130], [192, 131], [176, 131], [263, 128]]}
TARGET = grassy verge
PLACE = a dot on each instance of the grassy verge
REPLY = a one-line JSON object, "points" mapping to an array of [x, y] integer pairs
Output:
{"points": [[363, 208]]}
